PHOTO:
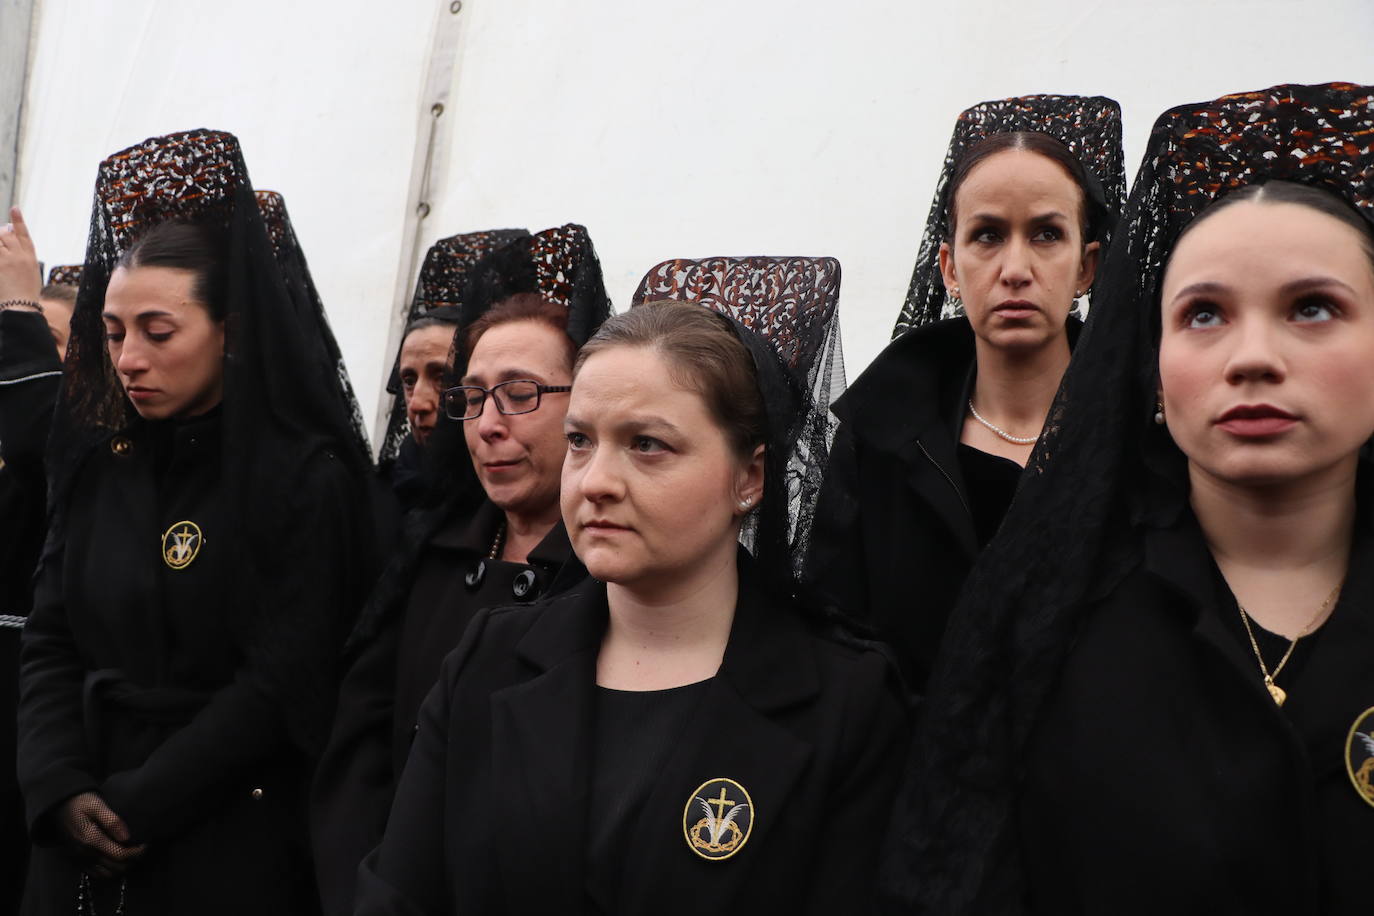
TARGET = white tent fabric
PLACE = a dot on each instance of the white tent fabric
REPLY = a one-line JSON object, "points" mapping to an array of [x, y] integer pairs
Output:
{"points": [[669, 128]]}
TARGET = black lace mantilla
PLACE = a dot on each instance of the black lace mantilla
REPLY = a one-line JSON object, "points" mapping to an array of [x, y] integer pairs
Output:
{"points": [[790, 304], [65, 275], [443, 278]]}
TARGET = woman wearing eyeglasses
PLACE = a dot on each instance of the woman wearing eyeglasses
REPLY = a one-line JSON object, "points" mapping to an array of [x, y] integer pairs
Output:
{"points": [[493, 537]]}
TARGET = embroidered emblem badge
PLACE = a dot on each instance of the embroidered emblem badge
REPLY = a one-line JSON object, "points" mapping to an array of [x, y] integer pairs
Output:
{"points": [[718, 819], [1359, 755], [181, 544]]}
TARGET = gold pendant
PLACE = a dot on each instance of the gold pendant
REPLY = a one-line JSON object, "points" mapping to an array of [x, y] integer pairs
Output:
{"points": [[1275, 691]]}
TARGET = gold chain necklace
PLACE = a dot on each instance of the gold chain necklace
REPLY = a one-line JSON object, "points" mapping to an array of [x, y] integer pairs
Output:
{"points": [[1275, 691]]}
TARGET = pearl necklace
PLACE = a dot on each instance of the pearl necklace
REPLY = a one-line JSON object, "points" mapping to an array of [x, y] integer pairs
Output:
{"points": [[1019, 440]]}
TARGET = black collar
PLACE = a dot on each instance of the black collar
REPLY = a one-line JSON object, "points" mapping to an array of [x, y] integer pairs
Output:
{"points": [[473, 534], [768, 658], [915, 383]]}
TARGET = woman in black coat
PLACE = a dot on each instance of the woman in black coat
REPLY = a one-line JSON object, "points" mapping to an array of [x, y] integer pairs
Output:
{"points": [[1157, 694], [495, 538], [679, 732], [208, 538], [934, 434]]}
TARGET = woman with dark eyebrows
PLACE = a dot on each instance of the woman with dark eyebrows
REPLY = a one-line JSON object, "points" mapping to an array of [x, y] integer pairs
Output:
{"points": [[210, 537], [682, 730], [934, 434]]}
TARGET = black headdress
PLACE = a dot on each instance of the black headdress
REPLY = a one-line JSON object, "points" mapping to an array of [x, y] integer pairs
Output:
{"points": [[286, 402], [559, 264], [788, 311], [65, 275], [1090, 126], [438, 292], [1070, 535], [296, 273]]}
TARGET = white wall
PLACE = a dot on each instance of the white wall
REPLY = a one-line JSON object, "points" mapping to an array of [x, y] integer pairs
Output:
{"points": [[670, 128], [322, 97]]}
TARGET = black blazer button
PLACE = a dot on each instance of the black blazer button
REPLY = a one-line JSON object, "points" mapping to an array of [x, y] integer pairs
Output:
{"points": [[524, 584], [256, 793], [121, 445], [476, 575]]}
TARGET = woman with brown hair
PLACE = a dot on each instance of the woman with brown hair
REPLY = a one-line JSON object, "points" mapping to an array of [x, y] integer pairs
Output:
{"points": [[209, 531], [679, 731], [935, 432], [488, 532]]}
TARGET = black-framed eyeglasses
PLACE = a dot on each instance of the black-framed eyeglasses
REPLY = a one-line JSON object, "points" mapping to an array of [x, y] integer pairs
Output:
{"points": [[521, 395]]}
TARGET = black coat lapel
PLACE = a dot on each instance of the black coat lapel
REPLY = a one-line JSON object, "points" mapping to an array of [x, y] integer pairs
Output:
{"points": [[932, 466], [540, 754]]}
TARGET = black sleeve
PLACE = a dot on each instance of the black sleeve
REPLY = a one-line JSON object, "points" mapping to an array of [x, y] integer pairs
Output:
{"points": [[354, 784], [53, 761], [877, 736], [834, 564], [243, 729], [30, 376], [407, 873]]}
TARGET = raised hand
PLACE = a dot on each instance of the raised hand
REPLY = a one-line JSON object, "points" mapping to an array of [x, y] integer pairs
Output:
{"points": [[20, 280]]}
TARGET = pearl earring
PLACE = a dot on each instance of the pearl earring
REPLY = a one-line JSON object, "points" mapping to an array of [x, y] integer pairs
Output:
{"points": [[1159, 412], [745, 503]]}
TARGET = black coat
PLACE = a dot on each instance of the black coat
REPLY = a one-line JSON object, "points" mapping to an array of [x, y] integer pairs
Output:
{"points": [[894, 536], [140, 683], [491, 814], [897, 529], [1162, 778], [379, 701], [30, 375]]}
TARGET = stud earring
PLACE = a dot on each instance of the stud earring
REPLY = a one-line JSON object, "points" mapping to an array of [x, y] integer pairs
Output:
{"points": [[1078, 294], [1159, 412], [745, 503]]}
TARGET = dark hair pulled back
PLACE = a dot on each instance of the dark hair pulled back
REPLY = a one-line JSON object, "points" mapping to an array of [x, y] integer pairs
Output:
{"points": [[1290, 192], [198, 247]]}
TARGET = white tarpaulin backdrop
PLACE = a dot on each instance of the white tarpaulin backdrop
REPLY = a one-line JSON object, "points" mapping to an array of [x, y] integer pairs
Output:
{"points": [[669, 128]]}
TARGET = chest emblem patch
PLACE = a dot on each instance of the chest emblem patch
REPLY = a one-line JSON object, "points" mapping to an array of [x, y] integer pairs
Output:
{"points": [[181, 544], [718, 819], [1359, 755]]}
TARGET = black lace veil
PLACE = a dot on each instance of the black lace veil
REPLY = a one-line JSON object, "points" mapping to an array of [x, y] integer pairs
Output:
{"points": [[286, 400], [1070, 535], [291, 260], [559, 264], [438, 292], [789, 310], [1090, 126]]}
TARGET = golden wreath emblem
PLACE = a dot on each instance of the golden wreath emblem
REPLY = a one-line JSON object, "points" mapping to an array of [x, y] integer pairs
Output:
{"points": [[1359, 754], [181, 544], [718, 819]]}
